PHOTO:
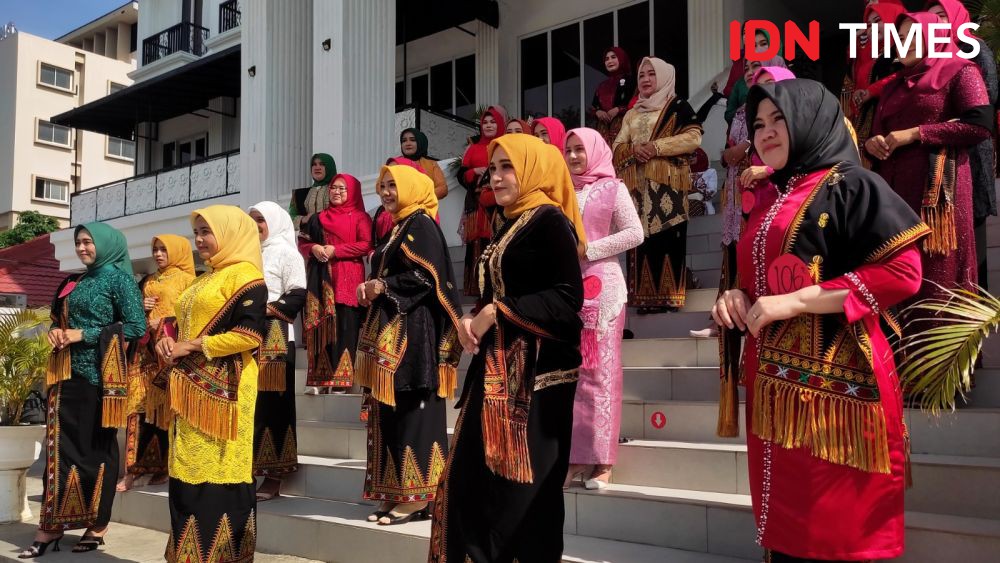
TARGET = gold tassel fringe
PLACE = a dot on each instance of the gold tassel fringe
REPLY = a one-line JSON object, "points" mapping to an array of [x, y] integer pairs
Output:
{"points": [[942, 240], [114, 411], [729, 408], [58, 368], [447, 381], [505, 442], [379, 378], [271, 376], [137, 386], [837, 429], [214, 416], [907, 467], [158, 407]]}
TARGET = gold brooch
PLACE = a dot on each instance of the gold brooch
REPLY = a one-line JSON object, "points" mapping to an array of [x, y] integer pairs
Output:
{"points": [[248, 302], [824, 218]]}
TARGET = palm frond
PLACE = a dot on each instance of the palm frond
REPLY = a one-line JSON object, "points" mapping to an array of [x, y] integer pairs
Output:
{"points": [[24, 353], [939, 361]]}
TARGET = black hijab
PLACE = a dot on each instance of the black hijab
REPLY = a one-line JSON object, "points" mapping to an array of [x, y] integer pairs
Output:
{"points": [[817, 134]]}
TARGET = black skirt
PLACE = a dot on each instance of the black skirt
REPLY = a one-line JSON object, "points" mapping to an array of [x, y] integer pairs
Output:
{"points": [[484, 517], [657, 269], [81, 459], [407, 447], [211, 522], [275, 448], [146, 447], [349, 321]]}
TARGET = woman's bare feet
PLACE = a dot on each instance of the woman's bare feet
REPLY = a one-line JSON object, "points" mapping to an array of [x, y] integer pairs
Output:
{"points": [[269, 489], [126, 483], [575, 470]]}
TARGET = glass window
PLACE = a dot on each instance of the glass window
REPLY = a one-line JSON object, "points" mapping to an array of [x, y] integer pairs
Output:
{"points": [[121, 148], [400, 95], [418, 91], [465, 87], [115, 87], [56, 77], [53, 190], [535, 76], [169, 154], [671, 38], [633, 31], [566, 75], [599, 35], [441, 87], [52, 133]]}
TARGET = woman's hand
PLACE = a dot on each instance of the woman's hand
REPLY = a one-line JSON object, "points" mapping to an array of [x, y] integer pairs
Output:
{"points": [[644, 151], [878, 147], [484, 321], [468, 340], [861, 96], [319, 252], [360, 294], [330, 251], [72, 336], [149, 302], [581, 251], [902, 138], [603, 116], [752, 174], [613, 113], [730, 310], [56, 338], [734, 154], [772, 308], [186, 348], [165, 349]]}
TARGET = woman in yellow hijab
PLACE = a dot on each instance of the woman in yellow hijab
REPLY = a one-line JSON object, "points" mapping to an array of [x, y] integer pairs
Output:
{"points": [[209, 393], [146, 445], [502, 492], [408, 350]]}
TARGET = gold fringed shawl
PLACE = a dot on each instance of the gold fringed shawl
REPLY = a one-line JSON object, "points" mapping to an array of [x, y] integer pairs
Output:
{"points": [[271, 357], [59, 367], [675, 171], [114, 377], [937, 208]]}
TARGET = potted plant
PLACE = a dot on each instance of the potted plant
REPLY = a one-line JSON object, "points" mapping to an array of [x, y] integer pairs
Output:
{"points": [[24, 353]]}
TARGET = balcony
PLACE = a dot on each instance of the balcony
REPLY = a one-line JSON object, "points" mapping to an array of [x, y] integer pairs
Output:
{"points": [[183, 37], [229, 15], [209, 178]]}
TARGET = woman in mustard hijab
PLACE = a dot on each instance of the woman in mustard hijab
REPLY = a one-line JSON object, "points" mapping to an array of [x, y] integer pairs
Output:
{"points": [[145, 444], [211, 391], [408, 350], [501, 496]]}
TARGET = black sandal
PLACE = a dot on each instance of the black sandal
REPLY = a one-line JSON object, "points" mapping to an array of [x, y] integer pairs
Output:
{"points": [[88, 543], [378, 515], [38, 548], [391, 519]]}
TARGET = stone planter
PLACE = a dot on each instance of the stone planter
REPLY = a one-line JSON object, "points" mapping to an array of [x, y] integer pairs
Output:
{"points": [[19, 448]]}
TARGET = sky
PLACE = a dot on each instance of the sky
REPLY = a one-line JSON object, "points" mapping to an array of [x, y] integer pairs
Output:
{"points": [[53, 18]]}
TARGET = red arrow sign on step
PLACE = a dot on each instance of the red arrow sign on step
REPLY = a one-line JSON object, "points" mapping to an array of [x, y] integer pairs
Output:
{"points": [[658, 420]]}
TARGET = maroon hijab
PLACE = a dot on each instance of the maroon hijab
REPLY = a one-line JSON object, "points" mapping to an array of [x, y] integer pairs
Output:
{"points": [[342, 219], [606, 89], [931, 74]]}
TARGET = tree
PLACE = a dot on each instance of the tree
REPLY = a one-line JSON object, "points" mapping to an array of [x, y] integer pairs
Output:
{"points": [[29, 225]]}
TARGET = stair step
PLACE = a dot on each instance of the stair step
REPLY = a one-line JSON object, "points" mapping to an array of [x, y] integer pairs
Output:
{"points": [[670, 352]]}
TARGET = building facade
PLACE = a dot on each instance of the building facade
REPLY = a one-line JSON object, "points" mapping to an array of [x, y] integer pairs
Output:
{"points": [[42, 163]]}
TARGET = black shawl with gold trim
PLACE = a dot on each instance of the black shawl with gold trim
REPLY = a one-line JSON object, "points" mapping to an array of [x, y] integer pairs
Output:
{"points": [[273, 352], [409, 340]]}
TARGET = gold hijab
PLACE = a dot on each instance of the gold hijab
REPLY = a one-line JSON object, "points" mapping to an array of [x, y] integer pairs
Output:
{"points": [[414, 191], [543, 176], [236, 234], [178, 252]]}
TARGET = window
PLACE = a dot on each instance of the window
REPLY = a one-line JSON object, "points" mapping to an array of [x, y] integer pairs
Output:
{"points": [[56, 77], [448, 87], [52, 133], [115, 87], [441, 87], [51, 190], [556, 78], [465, 87], [419, 96], [183, 151], [121, 148]]}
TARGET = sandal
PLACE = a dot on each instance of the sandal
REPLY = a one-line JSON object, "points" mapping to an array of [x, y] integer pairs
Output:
{"points": [[265, 494], [38, 548], [393, 518], [159, 479], [88, 543], [126, 483]]}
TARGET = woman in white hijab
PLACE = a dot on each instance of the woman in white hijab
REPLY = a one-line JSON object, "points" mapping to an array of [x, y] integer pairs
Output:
{"points": [[274, 446]]}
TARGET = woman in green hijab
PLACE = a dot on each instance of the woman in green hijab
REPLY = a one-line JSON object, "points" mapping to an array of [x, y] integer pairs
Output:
{"points": [[93, 315], [413, 144], [306, 201]]}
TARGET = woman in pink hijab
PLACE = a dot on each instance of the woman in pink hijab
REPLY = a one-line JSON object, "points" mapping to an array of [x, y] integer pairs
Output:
{"points": [[612, 227]]}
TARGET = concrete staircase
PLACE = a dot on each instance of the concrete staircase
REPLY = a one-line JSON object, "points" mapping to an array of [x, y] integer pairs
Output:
{"points": [[679, 492]]}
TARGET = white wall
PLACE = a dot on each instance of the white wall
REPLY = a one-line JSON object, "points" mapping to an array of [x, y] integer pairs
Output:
{"points": [[8, 111], [435, 49], [154, 17]]}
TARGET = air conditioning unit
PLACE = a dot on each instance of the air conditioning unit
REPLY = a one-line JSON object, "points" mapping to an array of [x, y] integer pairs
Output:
{"points": [[13, 300]]}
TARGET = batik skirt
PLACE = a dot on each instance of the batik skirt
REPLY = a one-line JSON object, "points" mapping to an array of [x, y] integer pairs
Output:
{"points": [[81, 459], [657, 270], [275, 448], [480, 516], [211, 522], [407, 447]]}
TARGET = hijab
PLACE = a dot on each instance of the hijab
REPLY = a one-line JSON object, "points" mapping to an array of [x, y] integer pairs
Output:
{"points": [[556, 130], [666, 79], [931, 74], [414, 192], [525, 126], [817, 135], [341, 219], [422, 143], [599, 157], [403, 161], [178, 252], [865, 62], [280, 231], [111, 248], [500, 116], [624, 62], [957, 16], [778, 72], [331, 168], [236, 234], [543, 177]]}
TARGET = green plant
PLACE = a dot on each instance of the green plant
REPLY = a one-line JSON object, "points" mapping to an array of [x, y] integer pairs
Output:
{"points": [[987, 14], [940, 360], [30, 224], [24, 354]]}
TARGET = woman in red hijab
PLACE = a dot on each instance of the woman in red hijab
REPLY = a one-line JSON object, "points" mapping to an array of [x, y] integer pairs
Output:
{"points": [[339, 238], [480, 205], [550, 130], [612, 97]]}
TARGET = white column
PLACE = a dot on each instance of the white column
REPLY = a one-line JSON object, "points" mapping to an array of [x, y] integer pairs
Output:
{"points": [[707, 28], [487, 64], [354, 84], [276, 103]]}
